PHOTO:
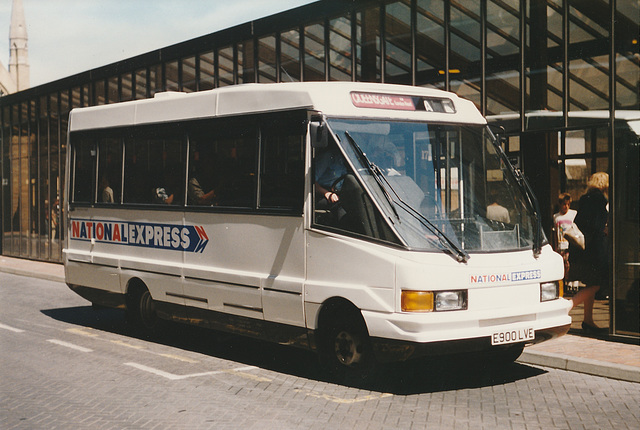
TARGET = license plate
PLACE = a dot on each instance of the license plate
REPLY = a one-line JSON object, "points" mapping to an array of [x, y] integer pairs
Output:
{"points": [[513, 336]]}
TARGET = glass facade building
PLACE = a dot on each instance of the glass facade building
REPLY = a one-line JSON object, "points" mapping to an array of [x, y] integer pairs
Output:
{"points": [[552, 72]]}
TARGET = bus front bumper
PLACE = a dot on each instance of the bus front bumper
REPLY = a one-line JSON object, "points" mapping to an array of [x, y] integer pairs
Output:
{"points": [[389, 350]]}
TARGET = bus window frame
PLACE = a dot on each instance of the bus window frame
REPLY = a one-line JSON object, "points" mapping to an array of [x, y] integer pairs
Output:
{"points": [[257, 123]]}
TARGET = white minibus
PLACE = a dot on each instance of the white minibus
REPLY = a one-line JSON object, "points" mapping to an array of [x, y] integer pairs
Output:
{"points": [[369, 222]]}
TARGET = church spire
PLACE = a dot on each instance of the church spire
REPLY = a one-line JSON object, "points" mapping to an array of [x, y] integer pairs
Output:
{"points": [[19, 53]]}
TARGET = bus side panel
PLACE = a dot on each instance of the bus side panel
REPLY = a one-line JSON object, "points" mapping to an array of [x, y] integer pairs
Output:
{"points": [[253, 265], [83, 267], [144, 250], [356, 270]]}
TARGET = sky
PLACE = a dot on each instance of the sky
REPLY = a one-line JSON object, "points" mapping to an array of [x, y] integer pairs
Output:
{"points": [[71, 36]]}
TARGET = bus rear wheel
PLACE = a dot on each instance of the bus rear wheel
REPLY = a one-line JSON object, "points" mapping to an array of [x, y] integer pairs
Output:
{"points": [[141, 310]]}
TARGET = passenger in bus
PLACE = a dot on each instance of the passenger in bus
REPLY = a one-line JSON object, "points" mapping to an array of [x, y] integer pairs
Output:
{"points": [[160, 195], [106, 193], [166, 192], [195, 192]]}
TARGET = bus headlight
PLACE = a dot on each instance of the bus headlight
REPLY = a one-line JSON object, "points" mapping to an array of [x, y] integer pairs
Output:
{"points": [[417, 301], [429, 301], [451, 300], [549, 291]]}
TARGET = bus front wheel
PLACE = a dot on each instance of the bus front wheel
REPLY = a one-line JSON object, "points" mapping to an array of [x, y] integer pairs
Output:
{"points": [[345, 350]]}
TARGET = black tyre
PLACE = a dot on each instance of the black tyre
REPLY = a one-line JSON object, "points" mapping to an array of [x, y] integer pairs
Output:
{"points": [[345, 349], [141, 310]]}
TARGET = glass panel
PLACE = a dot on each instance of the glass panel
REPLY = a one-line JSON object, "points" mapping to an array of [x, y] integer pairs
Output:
{"points": [[207, 72], [225, 66], [340, 201], [43, 187], [109, 170], [34, 180], [155, 79], [282, 168], [155, 167], [627, 70], [314, 53], [141, 84], [25, 182], [55, 189], [112, 90], [246, 62], [126, 87], [267, 59], [237, 150], [446, 176], [464, 53], [503, 48], [290, 56], [627, 252], [398, 43], [171, 76], [203, 179], [340, 49], [223, 167], [430, 43], [368, 45], [85, 95], [99, 92], [588, 71], [7, 181], [84, 164], [188, 74], [76, 101]]}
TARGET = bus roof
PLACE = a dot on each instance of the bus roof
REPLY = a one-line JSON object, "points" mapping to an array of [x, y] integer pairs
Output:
{"points": [[343, 99]]}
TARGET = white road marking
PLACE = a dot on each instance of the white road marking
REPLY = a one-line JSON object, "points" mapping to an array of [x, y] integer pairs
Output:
{"points": [[13, 329], [69, 345], [90, 333], [175, 377]]}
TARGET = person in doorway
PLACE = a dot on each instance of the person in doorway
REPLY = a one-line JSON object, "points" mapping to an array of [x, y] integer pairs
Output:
{"points": [[591, 266], [562, 222]]}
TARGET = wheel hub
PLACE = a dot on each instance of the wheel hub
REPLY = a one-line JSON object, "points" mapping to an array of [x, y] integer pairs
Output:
{"points": [[348, 349]]}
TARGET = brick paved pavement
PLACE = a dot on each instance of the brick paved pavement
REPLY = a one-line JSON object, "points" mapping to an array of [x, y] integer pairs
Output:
{"points": [[62, 365]]}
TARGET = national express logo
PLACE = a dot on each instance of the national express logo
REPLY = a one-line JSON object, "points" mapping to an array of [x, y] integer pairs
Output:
{"points": [[189, 238], [525, 275]]}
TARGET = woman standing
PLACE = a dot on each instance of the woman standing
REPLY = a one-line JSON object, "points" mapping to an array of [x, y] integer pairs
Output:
{"points": [[591, 265]]}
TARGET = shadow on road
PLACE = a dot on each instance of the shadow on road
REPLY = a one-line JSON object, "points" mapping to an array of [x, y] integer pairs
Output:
{"points": [[412, 377]]}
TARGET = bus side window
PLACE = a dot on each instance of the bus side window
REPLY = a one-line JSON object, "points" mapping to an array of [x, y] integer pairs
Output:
{"points": [[202, 183], [282, 165], [84, 165], [109, 170], [136, 172], [167, 159], [154, 167], [236, 167]]}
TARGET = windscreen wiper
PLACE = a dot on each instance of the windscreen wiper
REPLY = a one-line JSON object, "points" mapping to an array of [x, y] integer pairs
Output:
{"points": [[377, 174], [460, 255]]}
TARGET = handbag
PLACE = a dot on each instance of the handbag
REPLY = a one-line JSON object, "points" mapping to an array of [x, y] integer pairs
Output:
{"points": [[575, 236]]}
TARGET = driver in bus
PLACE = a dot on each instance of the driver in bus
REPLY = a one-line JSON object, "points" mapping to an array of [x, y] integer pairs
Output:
{"points": [[329, 174]]}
